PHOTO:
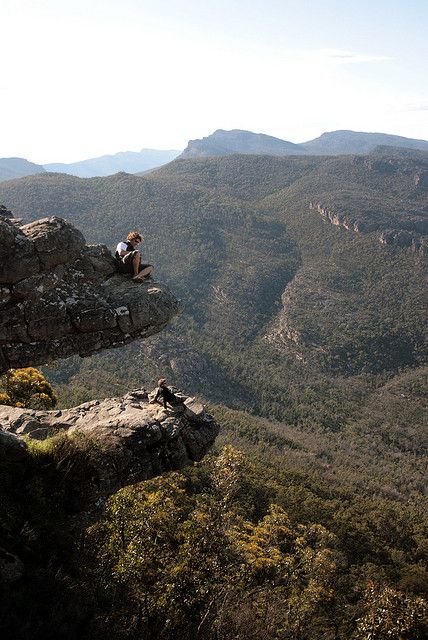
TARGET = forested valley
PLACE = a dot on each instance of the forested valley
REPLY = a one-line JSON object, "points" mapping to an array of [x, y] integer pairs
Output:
{"points": [[303, 330]]}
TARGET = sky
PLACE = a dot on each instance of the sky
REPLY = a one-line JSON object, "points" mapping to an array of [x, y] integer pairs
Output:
{"points": [[83, 78]]}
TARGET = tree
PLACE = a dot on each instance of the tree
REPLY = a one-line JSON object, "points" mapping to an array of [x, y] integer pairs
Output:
{"points": [[183, 563], [391, 614], [26, 388]]}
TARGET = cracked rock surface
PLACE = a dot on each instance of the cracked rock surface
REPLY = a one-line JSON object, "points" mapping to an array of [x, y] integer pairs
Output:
{"points": [[60, 297], [138, 440]]}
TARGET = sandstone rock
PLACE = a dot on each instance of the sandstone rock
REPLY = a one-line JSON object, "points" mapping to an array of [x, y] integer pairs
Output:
{"points": [[18, 257], [138, 440], [421, 179], [55, 241], [416, 242], [59, 297], [14, 448], [411, 228]]}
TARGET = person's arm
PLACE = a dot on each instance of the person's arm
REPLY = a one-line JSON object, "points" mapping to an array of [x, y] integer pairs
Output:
{"points": [[124, 252], [155, 399]]}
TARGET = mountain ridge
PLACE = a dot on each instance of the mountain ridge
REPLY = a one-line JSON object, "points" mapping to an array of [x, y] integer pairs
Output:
{"points": [[219, 143], [11, 168], [340, 142], [129, 161], [223, 142]]}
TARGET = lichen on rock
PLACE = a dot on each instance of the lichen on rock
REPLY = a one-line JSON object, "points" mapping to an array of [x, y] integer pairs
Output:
{"points": [[60, 297]]}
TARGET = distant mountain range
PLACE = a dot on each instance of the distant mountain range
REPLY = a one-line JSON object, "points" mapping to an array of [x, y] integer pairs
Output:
{"points": [[224, 143], [128, 161], [18, 167], [338, 143], [219, 143]]}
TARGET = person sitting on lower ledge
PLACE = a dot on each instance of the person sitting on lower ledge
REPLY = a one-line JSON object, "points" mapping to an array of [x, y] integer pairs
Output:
{"points": [[128, 257], [167, 395]]}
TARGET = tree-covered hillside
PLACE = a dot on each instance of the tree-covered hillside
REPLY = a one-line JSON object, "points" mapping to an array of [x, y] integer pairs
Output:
{"points": [[307, 338], [276, 299]]}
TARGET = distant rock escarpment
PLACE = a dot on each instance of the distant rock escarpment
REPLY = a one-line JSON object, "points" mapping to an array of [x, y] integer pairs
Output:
{"points": [[60, 297], [411, 231], [137, 440]]}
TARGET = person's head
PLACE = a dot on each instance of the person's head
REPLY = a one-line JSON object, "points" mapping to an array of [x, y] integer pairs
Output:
{"points": [[161, 382], [134, 237]]}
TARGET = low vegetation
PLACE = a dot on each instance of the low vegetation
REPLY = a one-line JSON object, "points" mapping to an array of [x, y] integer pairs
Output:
{"points": [[226, 548]]}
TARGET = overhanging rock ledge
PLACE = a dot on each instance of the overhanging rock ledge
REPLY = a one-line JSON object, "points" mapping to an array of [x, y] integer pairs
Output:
{"points": [[60, 297], [138, 440]]}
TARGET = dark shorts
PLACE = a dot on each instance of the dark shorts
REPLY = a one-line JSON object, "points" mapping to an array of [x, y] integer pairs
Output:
{"points": [[125, 265]]}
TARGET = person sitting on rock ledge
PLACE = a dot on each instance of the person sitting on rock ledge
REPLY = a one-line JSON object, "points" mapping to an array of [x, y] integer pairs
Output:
{"points": [[167, 395], [128, 257]]}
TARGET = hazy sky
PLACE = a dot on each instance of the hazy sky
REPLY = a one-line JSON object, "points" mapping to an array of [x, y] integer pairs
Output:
{"points": [[81, 78]]}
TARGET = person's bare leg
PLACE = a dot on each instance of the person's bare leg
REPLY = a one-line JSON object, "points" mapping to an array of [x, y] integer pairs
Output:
{"points": [[144, 273], [136, 261]]}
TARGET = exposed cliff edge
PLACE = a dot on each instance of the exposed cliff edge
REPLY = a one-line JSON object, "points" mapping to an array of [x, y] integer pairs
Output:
{"points": [[408, 233], [60, 297], [137, 440]]}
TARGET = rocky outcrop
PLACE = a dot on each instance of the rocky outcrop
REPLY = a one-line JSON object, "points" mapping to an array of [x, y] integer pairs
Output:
{"points": [[406, 239], [421, 179], [60, 297], [409, 232], [341, 219], [281, 333], [138, 440]]}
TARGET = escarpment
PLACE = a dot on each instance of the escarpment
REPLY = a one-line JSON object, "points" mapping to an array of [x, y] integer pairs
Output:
{"points": [[407, 230], [60, 297]]}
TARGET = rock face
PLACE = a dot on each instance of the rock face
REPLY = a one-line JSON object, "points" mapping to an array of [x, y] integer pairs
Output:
{"points": [[341, 219], [60, 297], [138, 440], [410, 232]]}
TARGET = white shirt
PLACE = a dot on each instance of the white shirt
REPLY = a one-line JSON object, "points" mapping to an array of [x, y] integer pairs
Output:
{"points": [[121, 247]]}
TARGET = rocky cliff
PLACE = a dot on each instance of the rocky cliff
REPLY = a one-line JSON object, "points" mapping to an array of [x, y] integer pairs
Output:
{"points": [[60, 297], [137, 440], [409, 232]]}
